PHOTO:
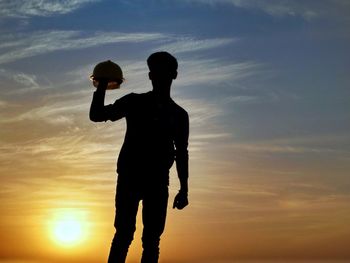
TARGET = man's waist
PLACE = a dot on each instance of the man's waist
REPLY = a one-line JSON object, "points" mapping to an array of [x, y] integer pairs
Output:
{"points": [[143, 177]]}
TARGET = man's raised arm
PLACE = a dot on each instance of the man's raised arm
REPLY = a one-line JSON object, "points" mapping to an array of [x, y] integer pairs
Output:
{"points": [[97, 108], [100, 112]]}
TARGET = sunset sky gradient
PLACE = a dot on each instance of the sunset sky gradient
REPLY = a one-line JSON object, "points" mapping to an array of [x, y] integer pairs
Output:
{"points": [[267, 88]]}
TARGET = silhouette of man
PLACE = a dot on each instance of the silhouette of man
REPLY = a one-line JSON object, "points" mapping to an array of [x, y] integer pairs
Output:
{"points": [[156, 136]]}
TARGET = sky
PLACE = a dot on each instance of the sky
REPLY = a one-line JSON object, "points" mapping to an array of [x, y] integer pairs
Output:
{"points": [[266, 86]]}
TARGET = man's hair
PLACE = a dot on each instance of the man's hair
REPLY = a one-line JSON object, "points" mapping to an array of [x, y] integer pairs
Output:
{"points": [[162, 61]]}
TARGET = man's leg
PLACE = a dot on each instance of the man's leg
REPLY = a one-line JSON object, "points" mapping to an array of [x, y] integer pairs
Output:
{"points": [[154, 210], [126, 205]]}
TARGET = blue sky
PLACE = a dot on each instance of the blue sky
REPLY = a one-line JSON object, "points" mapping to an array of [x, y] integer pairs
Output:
{"points": [[266, 84]]}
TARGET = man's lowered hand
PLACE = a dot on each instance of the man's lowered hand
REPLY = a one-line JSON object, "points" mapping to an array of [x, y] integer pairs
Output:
{"points": [[181, 200]]}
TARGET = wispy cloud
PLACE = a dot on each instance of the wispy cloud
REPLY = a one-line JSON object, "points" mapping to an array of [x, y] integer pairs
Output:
{"points": [[279, 148], [20, 82], [307, 9], [24, 45], [26, 8], [280, 8], [327, 144], [28, 45], [28, 81], [212, 71], [240, 99], [187, 44]]}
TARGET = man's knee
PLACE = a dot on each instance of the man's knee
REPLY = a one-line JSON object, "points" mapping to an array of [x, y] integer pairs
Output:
{"points": [[124, 236], [150, 241]]}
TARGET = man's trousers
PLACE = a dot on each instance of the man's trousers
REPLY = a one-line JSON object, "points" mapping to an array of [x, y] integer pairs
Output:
{"points": [[154, 207]]}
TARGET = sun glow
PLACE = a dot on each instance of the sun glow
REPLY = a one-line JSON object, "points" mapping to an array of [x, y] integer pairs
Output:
{"points": [[68, 231], [68, 228]]}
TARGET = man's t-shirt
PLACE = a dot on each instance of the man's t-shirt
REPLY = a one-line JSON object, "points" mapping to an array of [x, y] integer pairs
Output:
{"points": [[157, 133]]}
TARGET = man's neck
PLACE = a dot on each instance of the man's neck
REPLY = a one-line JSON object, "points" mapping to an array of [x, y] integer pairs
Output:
{"points": [[164, 94]]}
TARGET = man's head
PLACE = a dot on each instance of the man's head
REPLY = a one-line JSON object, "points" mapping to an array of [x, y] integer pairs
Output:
{"points": [[162, 71], [162, 62]]}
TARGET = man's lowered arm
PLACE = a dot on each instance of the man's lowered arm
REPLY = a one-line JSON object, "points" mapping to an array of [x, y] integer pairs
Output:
{"points": [[181, 144]]}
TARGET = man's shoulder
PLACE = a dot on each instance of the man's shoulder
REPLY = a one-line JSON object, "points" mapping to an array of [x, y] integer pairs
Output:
{"points": [[134, 95], [178, 109], [131, 96], [135, 99]]}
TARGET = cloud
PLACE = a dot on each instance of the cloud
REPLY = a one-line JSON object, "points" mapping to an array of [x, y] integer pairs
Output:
{"points": [[3, 103], [20, 83], [212, 71], [280, 8], [187, 44], [276, 148], [27, 80], [326, 144], [240, 99], [24, 45], [37, 43], [307, 9], [27, 8]]}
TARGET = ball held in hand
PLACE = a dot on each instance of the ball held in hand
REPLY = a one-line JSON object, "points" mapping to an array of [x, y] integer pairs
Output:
{"points": [[110, 71]]}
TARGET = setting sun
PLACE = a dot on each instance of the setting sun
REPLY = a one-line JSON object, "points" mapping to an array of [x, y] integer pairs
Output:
{"points": [[68, 228], [68, 231]]}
